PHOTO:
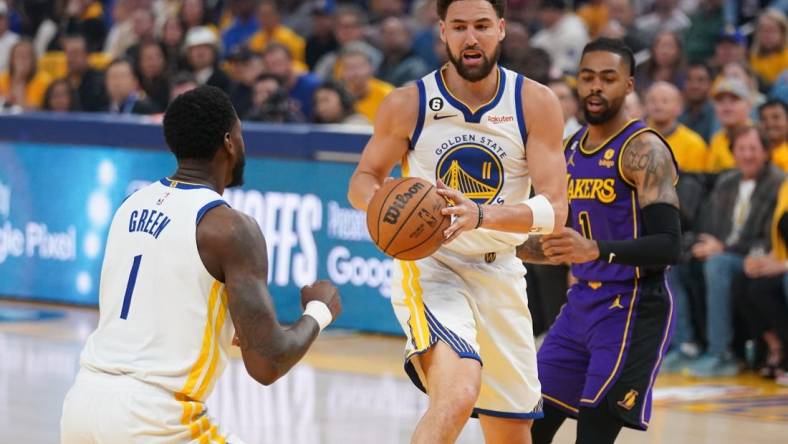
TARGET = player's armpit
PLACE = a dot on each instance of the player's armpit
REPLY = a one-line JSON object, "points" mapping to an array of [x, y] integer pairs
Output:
{"points": [[394, 124], [531, 251], [648, 164], [234, 251]]}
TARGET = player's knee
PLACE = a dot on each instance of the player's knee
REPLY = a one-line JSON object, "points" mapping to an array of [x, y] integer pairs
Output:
{"points": [[460, 399]]}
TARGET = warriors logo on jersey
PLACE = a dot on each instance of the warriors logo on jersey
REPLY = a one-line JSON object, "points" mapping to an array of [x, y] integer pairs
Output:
{"points": [[472, 169]]}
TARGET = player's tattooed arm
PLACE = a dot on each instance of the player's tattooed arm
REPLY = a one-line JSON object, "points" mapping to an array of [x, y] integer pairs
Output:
{"points": [[648, 164], [531, 251], [233, 250]]}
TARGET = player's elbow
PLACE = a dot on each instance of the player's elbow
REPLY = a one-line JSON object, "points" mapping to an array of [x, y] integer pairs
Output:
{"points": [[266, 374]]}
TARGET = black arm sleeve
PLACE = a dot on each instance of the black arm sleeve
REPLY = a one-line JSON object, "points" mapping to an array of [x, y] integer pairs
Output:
{"points": [[659, 246]]}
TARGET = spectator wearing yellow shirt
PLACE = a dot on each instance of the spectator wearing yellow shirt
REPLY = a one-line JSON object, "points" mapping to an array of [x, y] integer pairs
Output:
{"points": [[732, 104], [23, 85], [663, 107], [356, 74], [274, 32], [774, 120], [769, 55], [595, 14]]}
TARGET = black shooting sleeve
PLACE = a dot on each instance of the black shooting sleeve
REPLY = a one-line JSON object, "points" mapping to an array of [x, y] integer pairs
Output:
{"points": [[660, 244]]}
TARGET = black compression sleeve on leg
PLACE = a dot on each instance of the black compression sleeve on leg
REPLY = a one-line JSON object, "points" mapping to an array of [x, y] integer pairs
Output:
{"points": [[543, 430], [660, 244], [597, 425]]}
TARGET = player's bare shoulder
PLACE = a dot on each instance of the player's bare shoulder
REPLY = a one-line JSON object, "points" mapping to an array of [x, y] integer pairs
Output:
{"points": [[227, 234], [399, 111], [542, 110], [647, 163]]}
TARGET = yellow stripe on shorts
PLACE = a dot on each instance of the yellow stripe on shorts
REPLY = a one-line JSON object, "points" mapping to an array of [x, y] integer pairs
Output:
{"points": [[413, 300]]}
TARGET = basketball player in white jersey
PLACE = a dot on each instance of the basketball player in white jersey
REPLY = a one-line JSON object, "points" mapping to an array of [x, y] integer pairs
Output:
{"points": [[464, 309], [183, 273]]}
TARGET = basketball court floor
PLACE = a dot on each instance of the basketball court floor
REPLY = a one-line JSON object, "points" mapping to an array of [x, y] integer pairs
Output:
{"points": [[350, 389]]}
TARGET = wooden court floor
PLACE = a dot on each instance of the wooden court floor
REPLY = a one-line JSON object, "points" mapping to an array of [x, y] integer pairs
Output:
{"points": [[350, 389]]}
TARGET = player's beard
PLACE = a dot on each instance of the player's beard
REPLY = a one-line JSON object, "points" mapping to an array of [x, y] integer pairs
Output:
{"points": [[609, 110], [476, 73], [238, 172]]}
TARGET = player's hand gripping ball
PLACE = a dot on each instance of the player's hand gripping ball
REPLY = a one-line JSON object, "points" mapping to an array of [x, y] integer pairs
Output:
{"points": [[404, 218]]}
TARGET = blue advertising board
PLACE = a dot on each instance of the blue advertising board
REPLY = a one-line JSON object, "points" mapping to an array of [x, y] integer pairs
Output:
{"points": [[57, 200]]}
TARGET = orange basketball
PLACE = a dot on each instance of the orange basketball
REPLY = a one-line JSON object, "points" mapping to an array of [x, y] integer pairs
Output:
{"points": [[404, 218]]}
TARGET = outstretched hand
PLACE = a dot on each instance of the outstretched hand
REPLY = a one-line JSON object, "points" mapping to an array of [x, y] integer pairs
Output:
{"points": [[464, 212]]}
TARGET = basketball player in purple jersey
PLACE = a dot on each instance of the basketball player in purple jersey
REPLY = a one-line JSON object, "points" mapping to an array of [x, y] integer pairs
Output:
{"points": [[600, 358]]}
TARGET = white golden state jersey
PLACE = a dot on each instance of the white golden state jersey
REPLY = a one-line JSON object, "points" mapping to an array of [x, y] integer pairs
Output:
{"points": [[478, 152], [163, 318]]}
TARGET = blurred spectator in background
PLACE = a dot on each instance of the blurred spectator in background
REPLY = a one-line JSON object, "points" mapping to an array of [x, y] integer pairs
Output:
{"points": [[731, 47], [349, 28], [774, 121], [202, 52], [515, 47], [243, 25], [699, 114], [567, 96], [428, 32], [400, 64], [535, 64], [121, 33], [172, 39], [740, 71], [123, 90], [7, 37], [333, 104], [299, 86], [665, 64], [666, 16], [143, 22], [705, 25], [738, 224], [272, 31], [23, 85], [595, 14], [88, 82], [634, 106], [61, 97], [250, 66], [154, 80], [270, 102], [85, 17], [182, 82], [192, 14], [563, 37], [663, 107], [356, 75], [621, 25], [769, 54], [732, 104], [761, 295], [380, 10], [322, 40]]}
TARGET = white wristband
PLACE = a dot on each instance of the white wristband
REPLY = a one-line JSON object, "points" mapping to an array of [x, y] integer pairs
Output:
{"points": [[319, 312], [543, 214]]}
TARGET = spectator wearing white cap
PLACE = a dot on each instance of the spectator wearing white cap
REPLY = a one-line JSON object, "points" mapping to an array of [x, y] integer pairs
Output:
{"points": [[7, 37], [733, 106], [202, 50]]}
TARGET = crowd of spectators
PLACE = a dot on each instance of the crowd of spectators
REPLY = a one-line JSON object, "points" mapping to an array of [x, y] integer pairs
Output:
{"points": [[712, 78]]}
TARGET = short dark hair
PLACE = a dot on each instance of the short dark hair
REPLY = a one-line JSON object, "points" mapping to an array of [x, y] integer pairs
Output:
{"points": [[123, 61], [771, 103], [615, 46], [274, 47], [498, 5], [196, 121], [743, 130], [702, 65]]}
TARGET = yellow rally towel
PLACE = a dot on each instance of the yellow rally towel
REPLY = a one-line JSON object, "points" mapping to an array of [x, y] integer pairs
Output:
{"points": [[779, 249]]}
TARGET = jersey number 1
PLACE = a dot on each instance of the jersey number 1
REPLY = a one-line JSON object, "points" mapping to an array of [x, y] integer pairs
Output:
{"points": [[585, 224], [135, 267]]}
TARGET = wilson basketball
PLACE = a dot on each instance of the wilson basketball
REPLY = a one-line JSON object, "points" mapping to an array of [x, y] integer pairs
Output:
{"points": [[404, 218]]}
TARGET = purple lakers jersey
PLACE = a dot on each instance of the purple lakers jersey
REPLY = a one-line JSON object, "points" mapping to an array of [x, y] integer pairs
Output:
{"points": [[603, 204]]}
